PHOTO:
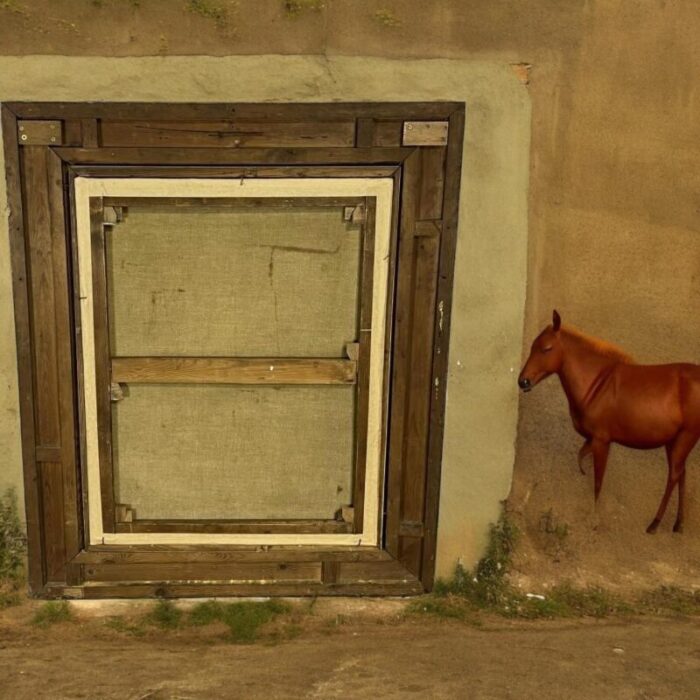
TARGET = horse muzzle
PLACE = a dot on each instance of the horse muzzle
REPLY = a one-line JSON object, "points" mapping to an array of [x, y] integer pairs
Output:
{"points": [[525, 384]]}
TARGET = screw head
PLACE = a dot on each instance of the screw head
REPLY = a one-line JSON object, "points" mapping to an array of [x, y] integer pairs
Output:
{"points": [[23, 137]]}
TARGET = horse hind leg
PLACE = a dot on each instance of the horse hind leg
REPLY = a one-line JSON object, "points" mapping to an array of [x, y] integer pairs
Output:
{"points": [[677, 453]]}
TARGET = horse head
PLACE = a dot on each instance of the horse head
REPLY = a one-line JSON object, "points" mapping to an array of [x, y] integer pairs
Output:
{"points": [[545, 356]]}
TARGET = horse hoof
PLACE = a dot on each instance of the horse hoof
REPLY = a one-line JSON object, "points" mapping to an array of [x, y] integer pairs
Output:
{"points": [[653, 527], [678, 527]]}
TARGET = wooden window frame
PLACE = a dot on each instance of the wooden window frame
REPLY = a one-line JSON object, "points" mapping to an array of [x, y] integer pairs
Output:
{"points": [[48, 145], [376, 195]]}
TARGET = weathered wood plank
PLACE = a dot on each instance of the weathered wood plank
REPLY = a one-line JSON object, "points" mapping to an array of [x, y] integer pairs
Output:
{"points": [[432, 183], [197, 111], [145, 554], [102, 361], [229, 572], [232, 370], [453, 170], [388, 133], [426, 251], [401, 381], [125, 589], [233, 171], [236, 526], [52, 512], [228, 134], [234, 156]]}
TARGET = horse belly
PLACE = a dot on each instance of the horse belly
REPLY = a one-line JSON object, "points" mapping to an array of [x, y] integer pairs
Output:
{"points": [[647, 410]]}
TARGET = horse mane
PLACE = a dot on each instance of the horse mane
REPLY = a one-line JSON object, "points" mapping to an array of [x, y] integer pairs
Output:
{"points": [[598, 345]]}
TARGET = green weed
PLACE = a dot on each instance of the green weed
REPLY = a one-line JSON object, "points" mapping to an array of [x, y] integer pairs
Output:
{"points": [[165, 615], [51, 613], [243, 619], [209, 10], [294, 8], [12, 539]]}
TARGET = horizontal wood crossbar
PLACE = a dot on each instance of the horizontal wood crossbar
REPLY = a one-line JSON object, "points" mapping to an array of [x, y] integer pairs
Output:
{"points": [[232, 370]]}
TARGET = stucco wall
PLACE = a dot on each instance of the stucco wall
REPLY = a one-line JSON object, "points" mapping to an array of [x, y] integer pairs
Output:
{"points": [[490, 276], [613, 219]]}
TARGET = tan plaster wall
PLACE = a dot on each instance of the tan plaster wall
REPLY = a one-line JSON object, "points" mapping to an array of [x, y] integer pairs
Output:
{"points": [[614, 218], [491, 255]]}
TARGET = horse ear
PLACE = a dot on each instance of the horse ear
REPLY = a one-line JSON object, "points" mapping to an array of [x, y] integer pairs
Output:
{"points": [[556, 320]]}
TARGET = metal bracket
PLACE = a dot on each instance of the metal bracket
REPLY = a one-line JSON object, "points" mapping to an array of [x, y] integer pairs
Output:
{"points": [[112, 216], [425, 133], [117, 392], [36, 132], [355, 215]]}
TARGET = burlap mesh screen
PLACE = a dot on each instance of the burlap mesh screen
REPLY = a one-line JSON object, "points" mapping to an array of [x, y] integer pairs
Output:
{"points": [[239, 281], [264, 281]]}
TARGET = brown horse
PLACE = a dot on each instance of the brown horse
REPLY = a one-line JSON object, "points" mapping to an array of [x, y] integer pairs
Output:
{"points": [[612, 399]]}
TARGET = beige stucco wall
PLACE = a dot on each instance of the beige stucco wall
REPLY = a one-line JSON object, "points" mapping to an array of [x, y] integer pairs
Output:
{"points": [[489, 293]]}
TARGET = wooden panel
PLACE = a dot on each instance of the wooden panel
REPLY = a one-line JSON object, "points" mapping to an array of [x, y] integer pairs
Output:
{"points": [[125, 589], [64, 353], [110, 554], [363, 362], [420, 133], [356, 572], [432, 182], [52, 496], [232, 370], [453, 169], [210, 572], [388, 134], [243, 172], [40, 246], [426, 252], [227, 134], [102, 362], [234, 526], [401, 382], [197, 111], [233, 156]]}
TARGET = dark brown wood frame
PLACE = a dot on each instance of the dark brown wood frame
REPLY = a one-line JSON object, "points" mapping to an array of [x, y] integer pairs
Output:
{"points": [[47, 145], [198, 370]]}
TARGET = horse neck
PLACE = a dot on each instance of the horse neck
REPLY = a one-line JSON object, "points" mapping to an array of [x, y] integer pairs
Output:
{"points": [[582, 366]]}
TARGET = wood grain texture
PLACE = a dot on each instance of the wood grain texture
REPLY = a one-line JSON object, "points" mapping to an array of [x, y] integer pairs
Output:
{"points": [[234, 526], [234, 156], [450, 215], [202, 111], [401, 379], [102, 361], [232, 370], [228, 134]]}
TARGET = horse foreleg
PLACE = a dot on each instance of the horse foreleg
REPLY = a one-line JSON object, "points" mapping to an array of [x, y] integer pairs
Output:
{"points": [[585, 450], [677, 452], [600, 462]]}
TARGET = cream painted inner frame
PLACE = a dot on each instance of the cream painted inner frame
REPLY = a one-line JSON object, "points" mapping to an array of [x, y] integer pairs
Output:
{"points": [[379, 188]]}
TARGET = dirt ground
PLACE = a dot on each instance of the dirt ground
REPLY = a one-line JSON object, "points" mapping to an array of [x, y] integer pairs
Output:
{"points": [[351, 649]]}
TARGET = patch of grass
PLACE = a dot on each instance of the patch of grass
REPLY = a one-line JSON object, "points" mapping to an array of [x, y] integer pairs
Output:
{"points": [[243, 619], [9, 599], [209, 10], [448, 607], [294, 8], [12, 539], [165, 615], [555, 534], [51, 613], [487, 586], [667, 600], [386, 18], [119, 624]]}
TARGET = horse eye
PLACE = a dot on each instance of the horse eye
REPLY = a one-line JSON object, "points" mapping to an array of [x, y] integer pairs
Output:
{"points": [[547, 349]]}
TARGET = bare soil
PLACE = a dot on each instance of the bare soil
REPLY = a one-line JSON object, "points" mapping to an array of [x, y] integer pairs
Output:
{"points": [[350, 649]]}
